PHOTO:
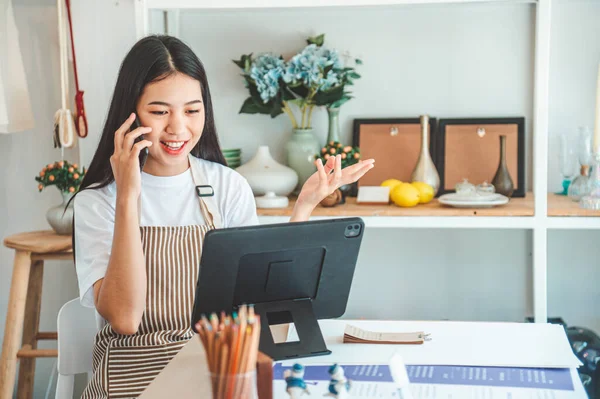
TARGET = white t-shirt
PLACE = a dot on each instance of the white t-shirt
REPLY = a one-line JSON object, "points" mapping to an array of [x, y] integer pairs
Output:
{"points": [[165, 201]]}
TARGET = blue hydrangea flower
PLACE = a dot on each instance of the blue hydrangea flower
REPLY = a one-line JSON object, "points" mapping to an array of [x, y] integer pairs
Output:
{"points": [[266, 71], [309, 65]]}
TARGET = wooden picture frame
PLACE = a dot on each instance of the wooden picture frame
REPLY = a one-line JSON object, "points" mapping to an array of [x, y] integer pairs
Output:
{"points": [[394, 143], [464, 151]]}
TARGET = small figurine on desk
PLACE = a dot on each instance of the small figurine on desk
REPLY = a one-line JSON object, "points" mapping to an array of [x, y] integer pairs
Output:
{"points": [[294, 379], [339, 385]]}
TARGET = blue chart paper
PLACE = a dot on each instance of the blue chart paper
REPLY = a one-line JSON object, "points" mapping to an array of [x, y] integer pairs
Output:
{"points": [[513, 377]]}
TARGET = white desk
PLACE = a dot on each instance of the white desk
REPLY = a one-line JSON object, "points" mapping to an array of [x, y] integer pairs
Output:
{"points": [[453, 343]]}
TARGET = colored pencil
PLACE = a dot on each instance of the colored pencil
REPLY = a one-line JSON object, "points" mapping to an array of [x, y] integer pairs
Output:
{"points": [[231, 346]]}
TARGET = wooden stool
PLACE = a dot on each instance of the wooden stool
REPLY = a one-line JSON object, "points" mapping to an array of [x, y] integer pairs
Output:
{"points": [[23, 315]]}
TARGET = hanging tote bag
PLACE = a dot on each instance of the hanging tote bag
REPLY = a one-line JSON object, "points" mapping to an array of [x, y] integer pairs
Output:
{"points": [[64, 125]]}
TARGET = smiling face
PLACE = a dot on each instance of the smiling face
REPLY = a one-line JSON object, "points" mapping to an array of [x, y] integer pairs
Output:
{"points": [[173, 108]]}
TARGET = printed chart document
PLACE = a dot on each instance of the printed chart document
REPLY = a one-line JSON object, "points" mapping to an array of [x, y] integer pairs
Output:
{"points": [[443, 382]]}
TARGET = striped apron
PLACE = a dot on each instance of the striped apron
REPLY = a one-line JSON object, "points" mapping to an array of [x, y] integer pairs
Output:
{"points": [[124, 365]]}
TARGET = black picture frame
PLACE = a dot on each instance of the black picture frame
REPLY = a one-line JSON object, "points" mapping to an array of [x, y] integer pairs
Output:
{"points": [[519, 191], [433, 128]]}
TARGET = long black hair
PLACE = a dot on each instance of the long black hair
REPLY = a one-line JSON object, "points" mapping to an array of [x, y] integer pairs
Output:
{"points": [[151, 59]]}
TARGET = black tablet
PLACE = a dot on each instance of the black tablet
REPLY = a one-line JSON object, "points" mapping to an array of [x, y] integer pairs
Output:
{"points": [[296, 272]]}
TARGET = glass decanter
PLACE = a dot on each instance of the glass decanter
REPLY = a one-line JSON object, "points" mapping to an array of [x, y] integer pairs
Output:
{"points": [[581, 187]]}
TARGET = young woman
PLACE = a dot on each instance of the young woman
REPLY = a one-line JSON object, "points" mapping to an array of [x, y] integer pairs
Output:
{"points": [[139, 229]]}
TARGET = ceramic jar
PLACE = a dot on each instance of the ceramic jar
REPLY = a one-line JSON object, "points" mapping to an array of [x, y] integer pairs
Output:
{"points": [[265, 175], [61, 219]]}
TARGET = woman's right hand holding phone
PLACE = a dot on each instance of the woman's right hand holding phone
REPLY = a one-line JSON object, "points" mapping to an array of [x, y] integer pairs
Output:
{"points": [[125, 161], [120, 297]]}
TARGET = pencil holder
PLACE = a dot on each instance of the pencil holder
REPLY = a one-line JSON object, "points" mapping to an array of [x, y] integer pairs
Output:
{"points": [[234, 386]]}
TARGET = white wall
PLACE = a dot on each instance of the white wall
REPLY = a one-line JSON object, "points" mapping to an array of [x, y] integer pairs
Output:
{"points": [[22, 155], [467, 60]]}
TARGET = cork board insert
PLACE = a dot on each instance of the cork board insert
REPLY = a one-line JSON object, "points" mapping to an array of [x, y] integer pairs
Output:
{"points": [[475, 156], [395, 146]]}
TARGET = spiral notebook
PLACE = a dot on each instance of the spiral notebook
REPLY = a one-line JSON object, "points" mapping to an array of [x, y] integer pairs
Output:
{"points": [[356, 335]]}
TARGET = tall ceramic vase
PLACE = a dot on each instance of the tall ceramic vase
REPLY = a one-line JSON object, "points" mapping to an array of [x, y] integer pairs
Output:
{"points": [[301, 151], [61, 219], [425, 170], [333, 132], [502, 180]]}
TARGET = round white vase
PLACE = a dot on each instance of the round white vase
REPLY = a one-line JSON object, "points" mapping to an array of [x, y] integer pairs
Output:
{"points": [[60, 217], [271, 182]]}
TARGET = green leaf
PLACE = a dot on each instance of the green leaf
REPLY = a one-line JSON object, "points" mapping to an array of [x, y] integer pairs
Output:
{"points": [[358, 61], [354, 75], [318, 40], [276, 110], [299, 91], [244, 62], [340, 102], [251, 107], [329, 96]]}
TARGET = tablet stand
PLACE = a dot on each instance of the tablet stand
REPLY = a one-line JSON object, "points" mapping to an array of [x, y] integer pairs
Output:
{"points": [[311, 342]]}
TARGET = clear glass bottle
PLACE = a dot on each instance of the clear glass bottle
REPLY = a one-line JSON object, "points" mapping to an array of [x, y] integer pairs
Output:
{"points": [[580, 186]]}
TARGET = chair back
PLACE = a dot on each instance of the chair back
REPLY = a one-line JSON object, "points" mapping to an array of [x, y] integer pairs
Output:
{"points": [[76, 327]]}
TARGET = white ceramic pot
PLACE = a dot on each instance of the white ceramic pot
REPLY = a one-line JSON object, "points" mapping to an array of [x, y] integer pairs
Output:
{"points": [[60, 217], [265, 175], [270, 181]]}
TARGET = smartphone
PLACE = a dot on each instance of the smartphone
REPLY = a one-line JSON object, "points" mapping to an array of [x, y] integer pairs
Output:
{"points": [[144, 152]]}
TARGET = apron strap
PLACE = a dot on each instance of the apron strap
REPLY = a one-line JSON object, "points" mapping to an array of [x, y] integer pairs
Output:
{"points": [[208, 204]]}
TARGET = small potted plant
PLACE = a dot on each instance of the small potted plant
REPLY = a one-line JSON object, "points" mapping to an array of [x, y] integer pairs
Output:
{"points": [[350, 155], [67, 178]]}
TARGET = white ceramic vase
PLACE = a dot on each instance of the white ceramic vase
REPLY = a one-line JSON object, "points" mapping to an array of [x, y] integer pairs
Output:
{"points": [[271, 182], [60, 217]]}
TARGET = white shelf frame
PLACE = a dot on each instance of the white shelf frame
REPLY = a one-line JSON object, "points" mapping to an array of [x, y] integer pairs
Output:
{"points": [[428, 222], [540, 223], [253, 4]]}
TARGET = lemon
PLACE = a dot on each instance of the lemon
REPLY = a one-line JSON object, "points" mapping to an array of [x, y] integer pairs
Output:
{"points": [[391, 183], [405, 195], [426, 192]]}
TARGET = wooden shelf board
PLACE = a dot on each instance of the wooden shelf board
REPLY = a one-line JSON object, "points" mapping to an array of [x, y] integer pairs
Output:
{"points": [[516, 207], [561, 205]]}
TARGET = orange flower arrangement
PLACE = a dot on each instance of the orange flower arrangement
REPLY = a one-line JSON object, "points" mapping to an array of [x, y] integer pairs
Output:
{"points": [[65, 176], [350, 155]]}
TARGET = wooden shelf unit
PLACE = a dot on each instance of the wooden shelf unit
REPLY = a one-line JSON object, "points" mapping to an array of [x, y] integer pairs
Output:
{"points": [[537, 218]]}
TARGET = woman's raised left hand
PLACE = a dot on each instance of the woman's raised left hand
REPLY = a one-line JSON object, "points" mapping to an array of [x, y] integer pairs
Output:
{"points": [[330, 177]]}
